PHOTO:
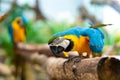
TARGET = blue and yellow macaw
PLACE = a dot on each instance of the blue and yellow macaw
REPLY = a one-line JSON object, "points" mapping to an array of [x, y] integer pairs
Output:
{"points": [[17, 30], [89, 40]]}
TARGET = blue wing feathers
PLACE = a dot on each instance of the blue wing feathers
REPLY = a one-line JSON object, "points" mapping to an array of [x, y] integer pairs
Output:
{"points": [[24, 19], [96, 38], [10, 31], [74, 31]]}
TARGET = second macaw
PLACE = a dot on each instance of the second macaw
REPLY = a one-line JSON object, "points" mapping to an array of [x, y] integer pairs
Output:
{"points": [[89, 40], [17, 30]]}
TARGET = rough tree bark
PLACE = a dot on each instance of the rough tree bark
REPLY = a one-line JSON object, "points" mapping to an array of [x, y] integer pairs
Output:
{"points": [[105, 68]]}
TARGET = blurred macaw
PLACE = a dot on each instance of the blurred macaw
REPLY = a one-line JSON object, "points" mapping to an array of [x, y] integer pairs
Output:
{"points": [[89, 40], [17, 30]]}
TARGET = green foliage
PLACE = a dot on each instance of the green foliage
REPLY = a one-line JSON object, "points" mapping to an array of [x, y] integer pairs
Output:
{"points": [[109, 39], [41, 31], [6, 43], [117, 38]]}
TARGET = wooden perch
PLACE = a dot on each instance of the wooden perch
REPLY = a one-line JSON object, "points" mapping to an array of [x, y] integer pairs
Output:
{"points": [[88, 69], [103, 68], [106, 68]]}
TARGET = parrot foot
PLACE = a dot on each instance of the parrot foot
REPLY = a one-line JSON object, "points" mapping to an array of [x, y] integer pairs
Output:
{"points": [[77, 59], [70, 59], [74, 68]]}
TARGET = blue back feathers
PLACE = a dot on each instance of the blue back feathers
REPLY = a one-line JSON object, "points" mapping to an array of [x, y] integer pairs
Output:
{"points": [[10, 31]]}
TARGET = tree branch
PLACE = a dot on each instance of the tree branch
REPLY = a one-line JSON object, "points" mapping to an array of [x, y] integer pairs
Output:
{"points": [[38, 11], [87, 69]]}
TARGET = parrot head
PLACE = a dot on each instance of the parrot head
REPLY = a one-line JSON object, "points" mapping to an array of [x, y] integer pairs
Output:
{"points": [[60, 44], [19, 21]]}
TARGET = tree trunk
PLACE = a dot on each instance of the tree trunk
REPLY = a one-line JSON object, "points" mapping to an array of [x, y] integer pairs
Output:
{"points": [[38, 11]]}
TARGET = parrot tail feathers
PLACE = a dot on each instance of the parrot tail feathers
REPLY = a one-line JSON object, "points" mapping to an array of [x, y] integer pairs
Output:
{"points": [[100, 25]]}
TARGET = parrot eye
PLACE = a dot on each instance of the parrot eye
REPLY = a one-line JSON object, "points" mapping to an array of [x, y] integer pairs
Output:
{"points": [[18, 21]]}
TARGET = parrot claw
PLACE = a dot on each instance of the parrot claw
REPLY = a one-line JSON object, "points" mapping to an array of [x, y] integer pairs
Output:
{"points": [[77, 59], [68, 60]]}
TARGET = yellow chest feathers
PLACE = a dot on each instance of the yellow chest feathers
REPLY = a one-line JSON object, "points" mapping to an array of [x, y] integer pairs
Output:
{"points": [[80, 44], [18, 33]]}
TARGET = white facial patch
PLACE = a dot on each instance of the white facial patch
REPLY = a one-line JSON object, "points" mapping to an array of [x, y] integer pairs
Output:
{"points": [[60, 41], [64, 43]]}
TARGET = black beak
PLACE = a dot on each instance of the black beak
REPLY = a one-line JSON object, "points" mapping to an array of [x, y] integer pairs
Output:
{"points": [[56, 50]]}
